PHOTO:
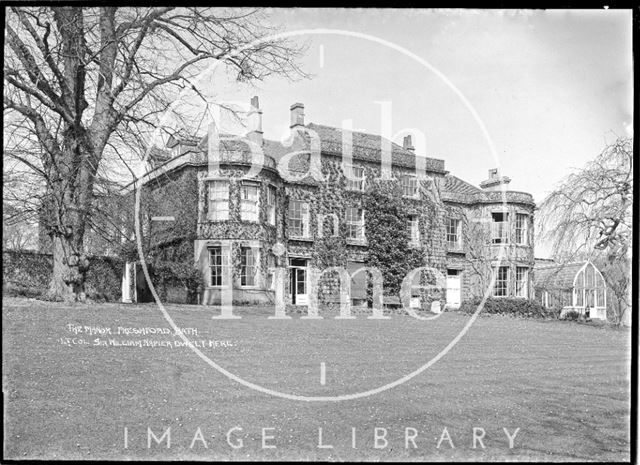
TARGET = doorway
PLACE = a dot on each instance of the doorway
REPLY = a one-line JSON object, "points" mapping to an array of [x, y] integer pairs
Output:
{"points": [[143, 292], [298, 285], [453, 288]]}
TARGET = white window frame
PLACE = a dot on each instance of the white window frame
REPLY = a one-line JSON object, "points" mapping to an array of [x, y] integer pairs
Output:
{"points": [[221, 268], [522, 282], [355, 172], [580, 288], [521, 228], [500, 229], [457, 244], [304, 218], [250, 207], [271, 196], [218, 197], [356, 224], [414, 229], [409, 186], [498, 280], [255, 261]]}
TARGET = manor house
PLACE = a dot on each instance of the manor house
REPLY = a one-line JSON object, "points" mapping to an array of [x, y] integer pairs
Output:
{"points": [[237, 219]]}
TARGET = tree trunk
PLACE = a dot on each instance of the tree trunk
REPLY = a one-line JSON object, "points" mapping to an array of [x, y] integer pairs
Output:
{"points": [[69, 272]]}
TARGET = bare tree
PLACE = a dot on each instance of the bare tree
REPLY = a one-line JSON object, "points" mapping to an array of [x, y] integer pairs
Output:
{"points": [[476, 238], [589, 215], [82, 85]]}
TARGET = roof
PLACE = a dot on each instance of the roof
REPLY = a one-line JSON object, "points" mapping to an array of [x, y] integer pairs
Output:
{"points": [[557, 276], [453, 184], [368, 147]]}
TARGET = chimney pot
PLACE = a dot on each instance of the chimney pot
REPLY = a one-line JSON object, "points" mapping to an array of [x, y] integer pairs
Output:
{"points": [[407, 143], [255, 122], [495, 181], [297, 115]]}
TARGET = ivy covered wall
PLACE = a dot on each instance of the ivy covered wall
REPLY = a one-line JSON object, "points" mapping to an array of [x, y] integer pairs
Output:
{"points": [[28, 273]]}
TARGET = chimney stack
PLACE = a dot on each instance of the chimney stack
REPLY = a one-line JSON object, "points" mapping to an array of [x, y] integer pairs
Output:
{"points": [[297, 115], [407, 144], [495, 181], [255, 122]]}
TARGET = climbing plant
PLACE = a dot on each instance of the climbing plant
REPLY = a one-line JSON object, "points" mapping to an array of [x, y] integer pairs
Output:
{"points": [[387, 235]]}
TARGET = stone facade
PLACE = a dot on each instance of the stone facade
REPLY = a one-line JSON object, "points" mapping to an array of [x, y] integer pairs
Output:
{"points": [[241, 227]]}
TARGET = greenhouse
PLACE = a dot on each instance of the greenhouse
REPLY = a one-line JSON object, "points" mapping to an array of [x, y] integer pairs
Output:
{"points": [[577, 287]]}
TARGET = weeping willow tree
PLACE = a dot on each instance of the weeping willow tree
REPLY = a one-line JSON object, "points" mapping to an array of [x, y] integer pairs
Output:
{"points": [[589, 216]]}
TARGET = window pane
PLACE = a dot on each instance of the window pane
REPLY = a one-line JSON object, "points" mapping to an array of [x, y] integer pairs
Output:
{"points": [[271, 205], [453, 233], [414, 229], [358, 173], [217, 266], [409, 186], [248, 267], [589, 277], [521, 228], [298, 219], [355, 223], [249, 202], [522, 281], [501, 283], [499, 227], [218, 200]]}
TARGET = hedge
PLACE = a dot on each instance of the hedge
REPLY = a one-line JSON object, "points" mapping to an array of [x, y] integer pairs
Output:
{"points": [[524, 308], [27, 273]]}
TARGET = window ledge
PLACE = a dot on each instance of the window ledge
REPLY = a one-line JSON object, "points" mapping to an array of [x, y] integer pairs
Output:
{"points": [[361, 242], [301, 238]]}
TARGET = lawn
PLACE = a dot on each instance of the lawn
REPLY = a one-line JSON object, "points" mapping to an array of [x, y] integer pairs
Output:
{"points": [[564, 385]]}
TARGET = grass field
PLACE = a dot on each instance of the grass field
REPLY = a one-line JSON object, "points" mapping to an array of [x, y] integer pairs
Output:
{"points": [[564, 385]]}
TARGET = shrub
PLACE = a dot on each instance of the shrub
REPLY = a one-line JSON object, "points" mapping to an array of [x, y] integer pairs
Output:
{"points": [[571, 315], [169, 277], [523, 308]]}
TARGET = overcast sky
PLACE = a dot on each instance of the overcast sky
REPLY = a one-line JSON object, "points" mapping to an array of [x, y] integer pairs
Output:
{"points": [[551, 87]]}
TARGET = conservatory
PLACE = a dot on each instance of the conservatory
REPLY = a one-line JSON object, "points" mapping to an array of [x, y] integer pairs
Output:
{"points": [[575, 287]]}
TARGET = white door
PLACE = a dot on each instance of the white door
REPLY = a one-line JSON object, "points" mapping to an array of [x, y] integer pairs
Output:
{"points": [[453, 290], [299, 285]]}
